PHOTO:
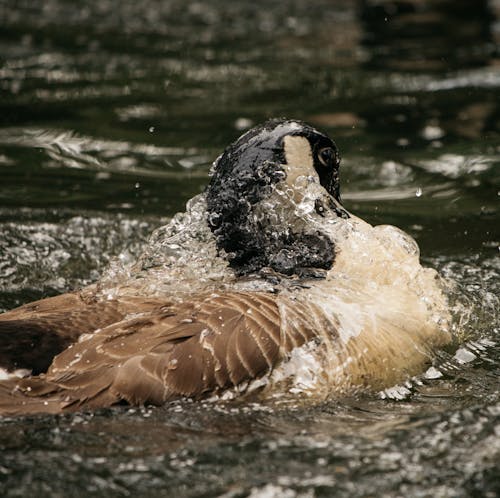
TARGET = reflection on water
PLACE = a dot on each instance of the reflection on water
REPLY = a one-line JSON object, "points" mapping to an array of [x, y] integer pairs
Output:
{"points": [[110, 113], [454, 38]]}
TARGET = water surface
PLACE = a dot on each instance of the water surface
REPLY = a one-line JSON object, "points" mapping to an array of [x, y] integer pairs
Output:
{"points": [[110, 116]]}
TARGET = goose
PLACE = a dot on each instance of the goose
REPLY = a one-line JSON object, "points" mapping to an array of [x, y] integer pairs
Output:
{"points": [[266, 286]]}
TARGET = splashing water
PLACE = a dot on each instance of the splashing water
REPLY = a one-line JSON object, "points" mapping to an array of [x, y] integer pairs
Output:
{"points": [[384, 313]]}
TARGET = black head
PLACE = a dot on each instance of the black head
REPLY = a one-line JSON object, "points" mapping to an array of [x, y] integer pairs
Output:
{"points": [[247, 172]]}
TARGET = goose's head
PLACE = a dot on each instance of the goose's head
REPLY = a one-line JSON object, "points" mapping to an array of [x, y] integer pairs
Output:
{"points": [[261, 188]]}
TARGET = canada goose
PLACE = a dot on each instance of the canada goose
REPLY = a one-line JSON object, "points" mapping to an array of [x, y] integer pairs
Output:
{"points": [[266, 284]]}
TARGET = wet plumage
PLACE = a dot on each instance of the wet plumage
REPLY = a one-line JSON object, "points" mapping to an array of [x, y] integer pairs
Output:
{"points": [[93, 349]]}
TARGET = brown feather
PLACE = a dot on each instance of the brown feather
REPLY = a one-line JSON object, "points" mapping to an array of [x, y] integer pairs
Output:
{"points": [[33, 334], [210, 343]]}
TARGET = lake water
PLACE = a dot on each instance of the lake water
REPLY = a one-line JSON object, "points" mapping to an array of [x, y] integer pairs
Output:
{"points": [[111, 113]]}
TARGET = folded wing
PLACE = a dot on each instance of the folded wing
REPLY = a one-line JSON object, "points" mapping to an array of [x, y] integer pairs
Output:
{"points": [[206, 345]]}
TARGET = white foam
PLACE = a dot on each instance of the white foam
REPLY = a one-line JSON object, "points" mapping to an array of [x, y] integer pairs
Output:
{"points": [[14, 374]]}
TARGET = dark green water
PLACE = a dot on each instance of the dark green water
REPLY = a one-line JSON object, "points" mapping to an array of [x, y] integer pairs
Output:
{"points": [[110, 115]]}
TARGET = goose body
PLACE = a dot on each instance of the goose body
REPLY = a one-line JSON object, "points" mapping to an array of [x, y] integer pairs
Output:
{"points": [[266, 284]]}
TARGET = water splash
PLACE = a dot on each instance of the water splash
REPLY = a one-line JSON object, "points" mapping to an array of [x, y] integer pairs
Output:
{"points": [[383, 313]]}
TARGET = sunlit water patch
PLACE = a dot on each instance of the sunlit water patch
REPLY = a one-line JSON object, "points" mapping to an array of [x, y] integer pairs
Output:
{"points": [[60, 169], [72, 150]]}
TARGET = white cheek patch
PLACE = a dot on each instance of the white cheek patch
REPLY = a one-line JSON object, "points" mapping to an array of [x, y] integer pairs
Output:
{"points": [[299, 160]]}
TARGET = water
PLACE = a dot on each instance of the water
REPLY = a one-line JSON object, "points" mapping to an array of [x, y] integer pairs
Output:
{"points": [[111, 114]]}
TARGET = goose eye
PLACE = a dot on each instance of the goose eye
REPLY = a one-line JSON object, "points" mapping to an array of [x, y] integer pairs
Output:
{"points": [[327, 156]]}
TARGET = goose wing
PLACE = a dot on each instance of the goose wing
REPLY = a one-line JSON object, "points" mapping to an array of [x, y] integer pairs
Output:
{"points": [[211, 343], [33, 334]]}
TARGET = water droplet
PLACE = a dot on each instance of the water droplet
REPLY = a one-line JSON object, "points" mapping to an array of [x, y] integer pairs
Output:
{"points": [[432, 132], [433, 373], [243, 123]]}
